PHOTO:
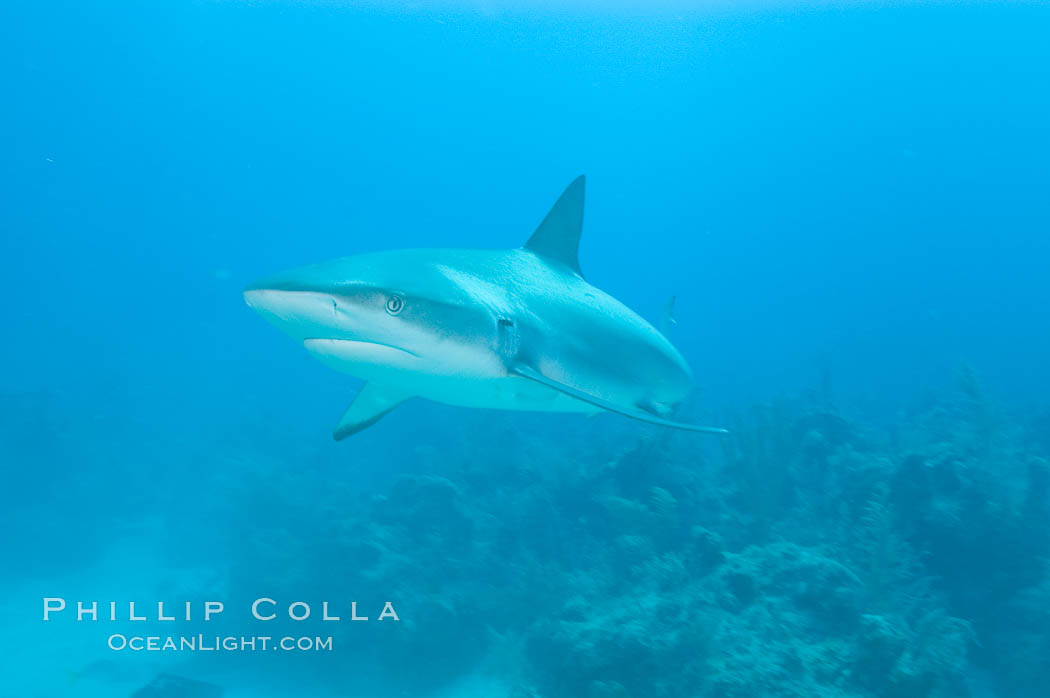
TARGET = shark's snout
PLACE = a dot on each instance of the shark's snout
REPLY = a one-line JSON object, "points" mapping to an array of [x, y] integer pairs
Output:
{"points": [[258, 298], [301, 314], [279, 302]]}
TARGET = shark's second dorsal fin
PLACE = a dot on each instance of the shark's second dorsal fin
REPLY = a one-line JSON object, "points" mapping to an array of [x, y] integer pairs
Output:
{"points": [[668, 319], [558, 237]]}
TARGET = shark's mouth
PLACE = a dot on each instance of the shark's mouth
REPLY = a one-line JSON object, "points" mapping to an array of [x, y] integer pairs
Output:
{"points": [[355, 351]]}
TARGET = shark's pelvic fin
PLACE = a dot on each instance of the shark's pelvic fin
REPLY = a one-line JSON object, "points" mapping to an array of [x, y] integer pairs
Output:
{"points": [[370, 405], [531, 373], [558, 237]]}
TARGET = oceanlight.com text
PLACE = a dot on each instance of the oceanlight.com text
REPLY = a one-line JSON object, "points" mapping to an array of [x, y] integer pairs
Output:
{"points": [[201, 643]]}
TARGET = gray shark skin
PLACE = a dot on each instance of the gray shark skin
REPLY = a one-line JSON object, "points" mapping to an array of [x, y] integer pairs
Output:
{"points": [[507, 329]]}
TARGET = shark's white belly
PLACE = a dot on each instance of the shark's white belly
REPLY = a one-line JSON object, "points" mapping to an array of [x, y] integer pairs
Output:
{"points": [[508, 393], [455, 376], [490, 392]]}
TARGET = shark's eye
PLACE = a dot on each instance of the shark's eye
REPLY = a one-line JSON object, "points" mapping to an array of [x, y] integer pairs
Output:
{"points": [[395, 304]]}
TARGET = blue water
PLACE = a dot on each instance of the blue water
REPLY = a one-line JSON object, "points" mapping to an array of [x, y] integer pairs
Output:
{"points": [[850, 204]]}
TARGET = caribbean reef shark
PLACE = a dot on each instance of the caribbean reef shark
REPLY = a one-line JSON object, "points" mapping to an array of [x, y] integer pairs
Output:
{"points": [[510, 329]]}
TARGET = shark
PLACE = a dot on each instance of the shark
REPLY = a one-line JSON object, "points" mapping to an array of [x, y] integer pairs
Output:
{"points": [[517, 329]]}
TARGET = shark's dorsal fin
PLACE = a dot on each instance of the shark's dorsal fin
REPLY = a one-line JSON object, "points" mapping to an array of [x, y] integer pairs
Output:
{"points": [[370, 405], [526, 371], [558, 237]]}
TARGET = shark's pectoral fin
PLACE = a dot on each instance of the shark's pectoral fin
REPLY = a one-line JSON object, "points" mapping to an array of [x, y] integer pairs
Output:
{"points": [[370, 405], [526, 371]]}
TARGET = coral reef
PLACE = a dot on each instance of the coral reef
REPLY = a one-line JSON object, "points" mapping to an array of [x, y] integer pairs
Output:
{"points": [[813, 556]]}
